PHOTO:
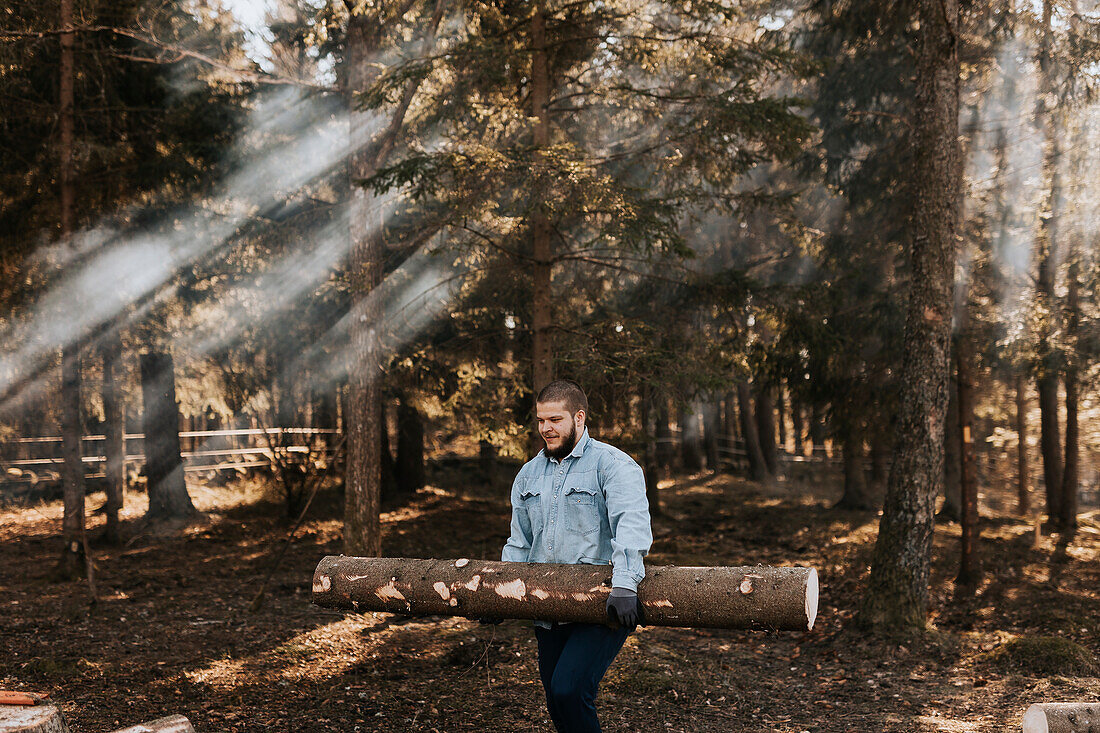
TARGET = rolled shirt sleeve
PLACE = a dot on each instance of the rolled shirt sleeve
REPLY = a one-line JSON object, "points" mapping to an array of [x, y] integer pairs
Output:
{"points": [[518, 546], [623, 483]]}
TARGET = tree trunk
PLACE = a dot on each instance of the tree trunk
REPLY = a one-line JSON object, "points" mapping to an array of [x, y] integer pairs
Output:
{"points": [[880, 458], [729, 416], [781, 415], [1068, 515], [897, 594], [1023, 472], [951, 511], [797, 428], [691, 454], [1049, 439], [857, 494], [650, 468], [114, 429], [697, 597], [542, 318], [664, 435], [168, 498], [817, 430], [385, 452], [71, 563], [1050, 444], [1061, 717], [410, 448], [363, 467], [710, 433], [765, 427], [758, 469], [969, 561]]}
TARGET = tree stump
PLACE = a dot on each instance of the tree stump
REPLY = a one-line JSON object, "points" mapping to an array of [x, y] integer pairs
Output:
{"points": [[696, 597], [31, 719], [1062, 717]]}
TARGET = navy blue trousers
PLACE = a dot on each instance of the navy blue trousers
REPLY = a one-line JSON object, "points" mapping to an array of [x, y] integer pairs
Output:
{"points": [[572, 660]]}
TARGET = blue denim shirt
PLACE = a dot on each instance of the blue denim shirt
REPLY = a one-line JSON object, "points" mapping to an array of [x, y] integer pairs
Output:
{"points": [[589, 508]]}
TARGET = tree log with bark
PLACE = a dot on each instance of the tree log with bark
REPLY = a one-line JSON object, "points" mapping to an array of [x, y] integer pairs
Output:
{"points": [[31, 719], [1062, 717], [696, 597]]}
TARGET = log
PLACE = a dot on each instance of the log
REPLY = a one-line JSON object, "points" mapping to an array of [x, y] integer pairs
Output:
{"points": [[31, 719], [697, 597], [1062, 717]]}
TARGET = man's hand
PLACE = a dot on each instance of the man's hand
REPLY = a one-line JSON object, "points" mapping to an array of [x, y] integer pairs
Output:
{"points": [[490, 621], [623, 608]]}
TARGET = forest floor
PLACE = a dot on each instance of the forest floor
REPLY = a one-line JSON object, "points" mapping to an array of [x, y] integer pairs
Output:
{"points": [[172, 632]]}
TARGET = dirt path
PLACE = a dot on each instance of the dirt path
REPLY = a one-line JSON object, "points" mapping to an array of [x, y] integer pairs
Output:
{"points": [[171, 633]]}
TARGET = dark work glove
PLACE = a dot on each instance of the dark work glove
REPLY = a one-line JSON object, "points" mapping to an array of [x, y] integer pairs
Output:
{"points": [[490, 621], [623, 608]]}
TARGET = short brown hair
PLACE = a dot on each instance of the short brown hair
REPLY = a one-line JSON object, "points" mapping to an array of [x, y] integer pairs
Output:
{"points": [[567, 391]]}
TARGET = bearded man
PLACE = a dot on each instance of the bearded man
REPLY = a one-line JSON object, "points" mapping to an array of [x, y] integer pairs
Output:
{"points": [[580, 501]]}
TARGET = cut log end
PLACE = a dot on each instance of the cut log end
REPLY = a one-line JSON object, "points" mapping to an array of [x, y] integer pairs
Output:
{"points": [[811, 599], [1062, 717], [31, 719], [169, 724]]}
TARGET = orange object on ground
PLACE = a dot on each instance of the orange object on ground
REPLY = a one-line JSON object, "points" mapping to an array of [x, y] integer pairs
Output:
{"points": [[10, 697]]}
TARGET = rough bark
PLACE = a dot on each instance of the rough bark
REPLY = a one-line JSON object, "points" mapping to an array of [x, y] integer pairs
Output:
{"points": [[410, 448], [71, 563], [1062, 717], [31, 719], [363, 467], [765, 427], [169, 724], [758, 469], [542, 363], [897, 594], [168, 498], [1023, 472], [114, 430], [699, 597], [969, 561]]}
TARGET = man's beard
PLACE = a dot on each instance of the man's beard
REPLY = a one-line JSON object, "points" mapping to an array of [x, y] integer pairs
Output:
{"points": [[567, 444]]}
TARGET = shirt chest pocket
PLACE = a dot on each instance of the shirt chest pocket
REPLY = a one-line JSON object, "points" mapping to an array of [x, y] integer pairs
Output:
{"points": [[581, 510], [532, 503]]}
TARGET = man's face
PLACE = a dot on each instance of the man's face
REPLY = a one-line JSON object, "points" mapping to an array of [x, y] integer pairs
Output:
{"points": [[558, 427]]}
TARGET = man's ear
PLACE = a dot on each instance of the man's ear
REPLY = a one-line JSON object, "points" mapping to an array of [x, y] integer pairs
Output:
{"points": [[579, 418]]}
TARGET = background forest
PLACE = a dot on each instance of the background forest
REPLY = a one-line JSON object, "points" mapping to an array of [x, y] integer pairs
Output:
{"points": [[295, 271]]}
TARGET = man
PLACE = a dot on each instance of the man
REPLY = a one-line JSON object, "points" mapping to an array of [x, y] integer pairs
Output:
{"points": [[580, 501]]}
